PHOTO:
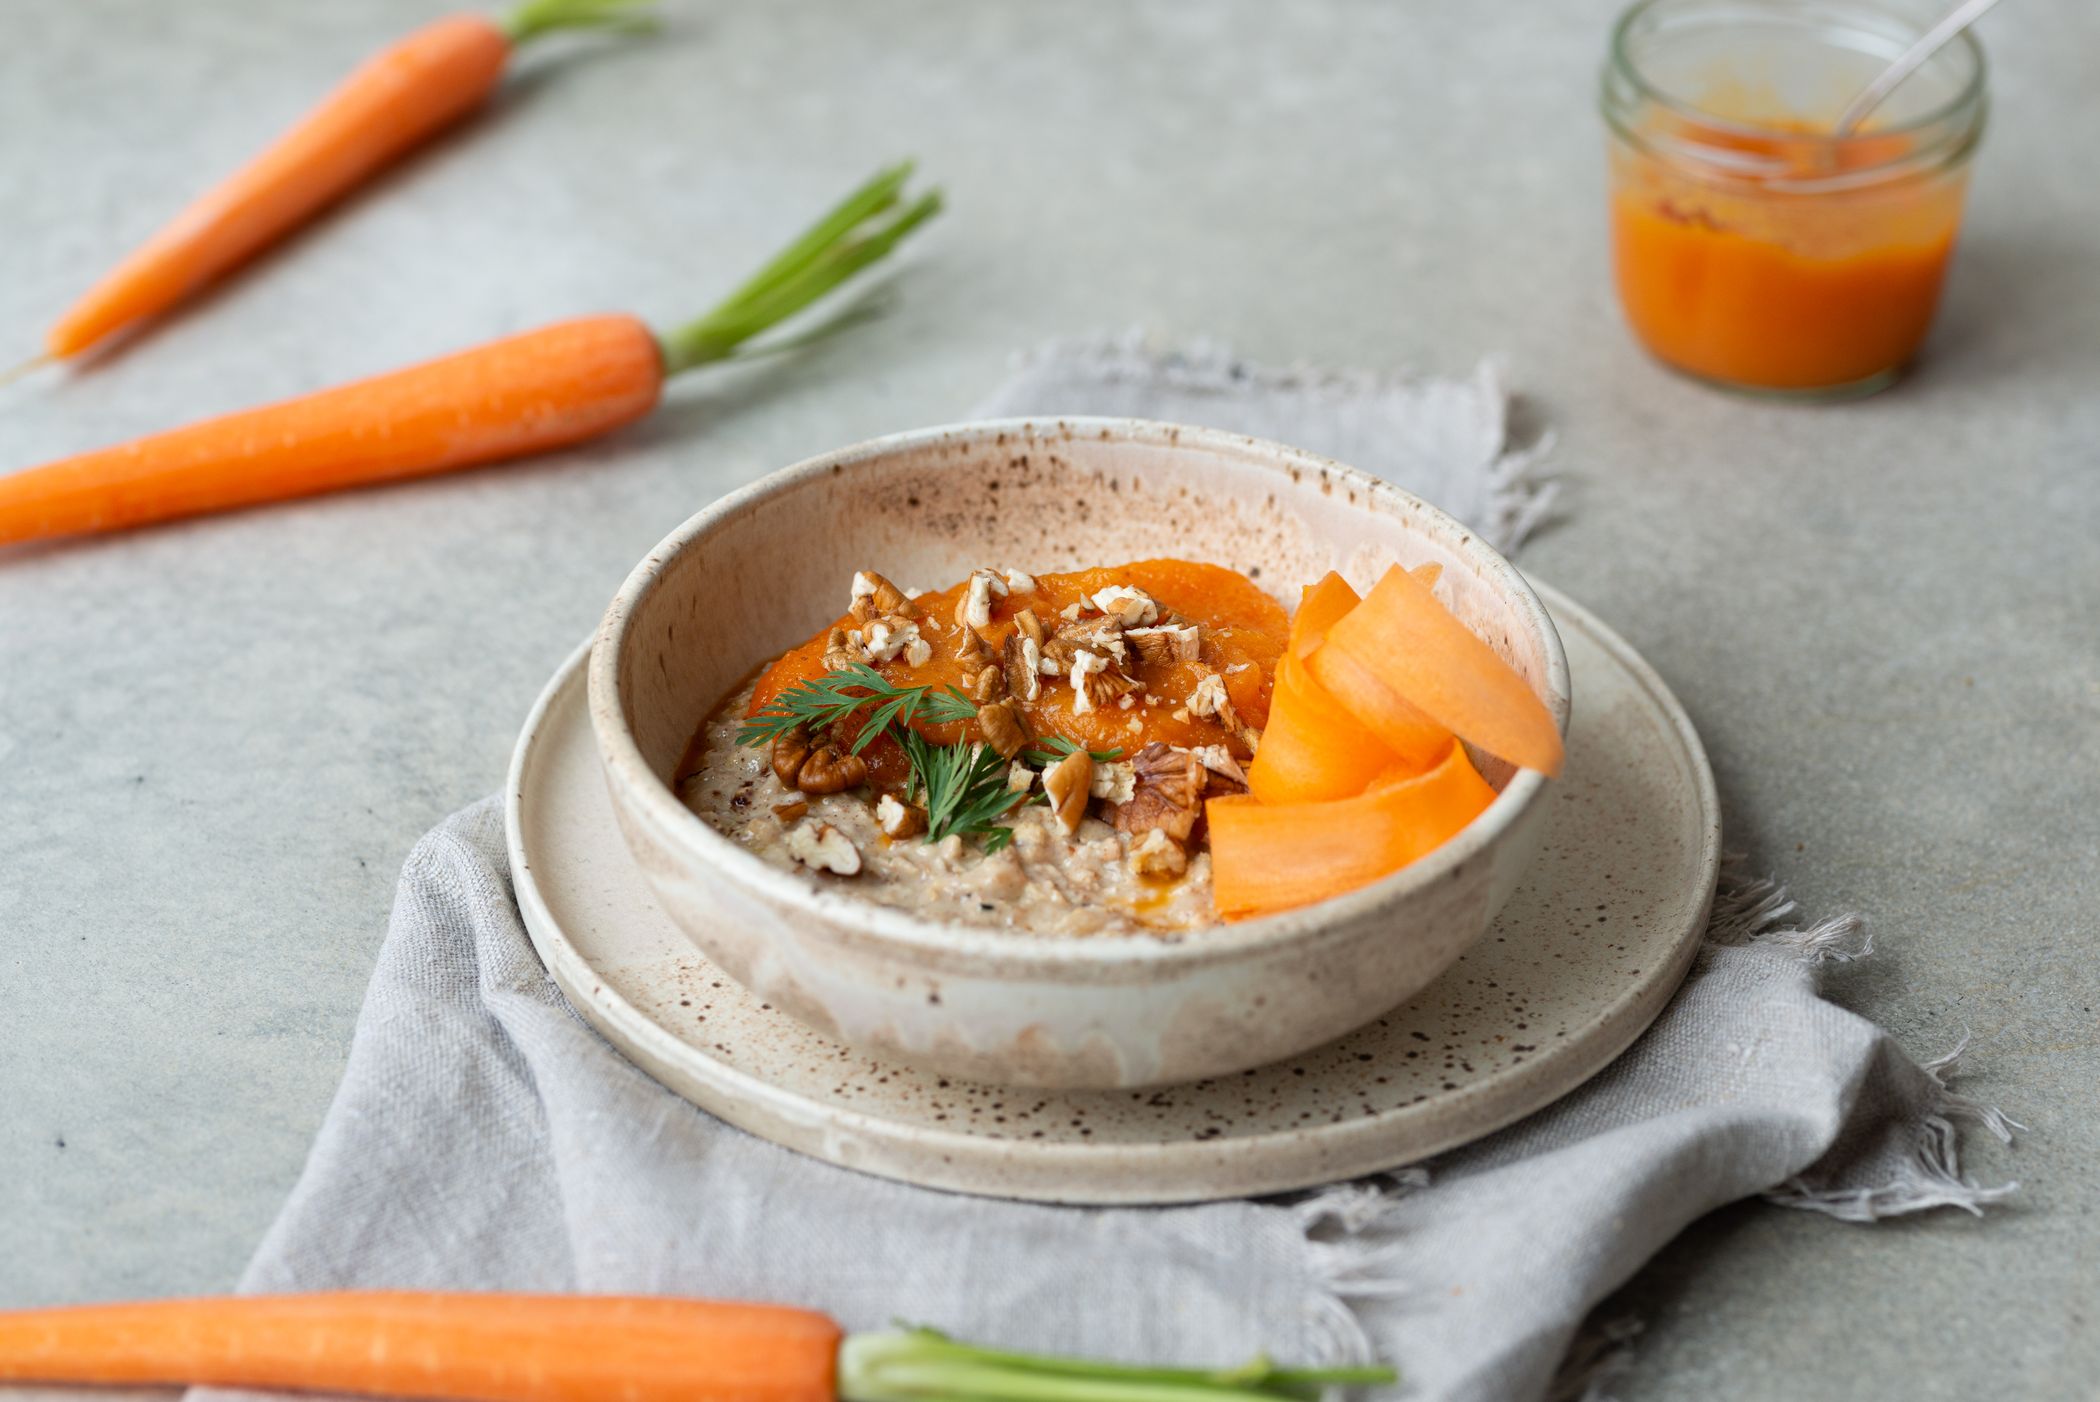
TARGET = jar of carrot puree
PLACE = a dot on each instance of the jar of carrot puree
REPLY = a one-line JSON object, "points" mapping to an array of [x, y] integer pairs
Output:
{"points": [[1754, 248]]}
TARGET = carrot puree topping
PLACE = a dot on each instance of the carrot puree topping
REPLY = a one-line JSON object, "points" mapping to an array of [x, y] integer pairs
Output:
{"points": [[1199, 642]]}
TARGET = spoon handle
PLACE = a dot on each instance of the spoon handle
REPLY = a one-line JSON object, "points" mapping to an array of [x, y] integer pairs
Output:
{"points": [[1909, 62]]}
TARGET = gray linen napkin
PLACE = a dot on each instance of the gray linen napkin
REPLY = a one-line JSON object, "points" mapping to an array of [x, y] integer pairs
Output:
{"points": [[485, 1137]]}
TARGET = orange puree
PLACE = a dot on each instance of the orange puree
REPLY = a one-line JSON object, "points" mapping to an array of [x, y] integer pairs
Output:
{"points": [[1793, 282], [1242, 632]]}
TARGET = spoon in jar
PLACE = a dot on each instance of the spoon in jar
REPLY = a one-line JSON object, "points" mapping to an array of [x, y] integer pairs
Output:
{"points": [[1909, 62]]}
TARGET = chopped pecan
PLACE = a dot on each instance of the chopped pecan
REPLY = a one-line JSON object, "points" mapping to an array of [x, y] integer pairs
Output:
{"points": [[1222, 772], [1158, 855], [1114, 782], [1128, 606], [881, 596], [889, 635], [1069, 783], [1031, 627], [974, 609], [1023, 662], [1177, 773], [843, 650], [1150, 810], [1166, 643], [822, 847], [829, 769], [789, 812], [1109, 685], [1103, 636], [790, 748], [1005, 728], [1209, 698], [898, 819], [988, 685]]}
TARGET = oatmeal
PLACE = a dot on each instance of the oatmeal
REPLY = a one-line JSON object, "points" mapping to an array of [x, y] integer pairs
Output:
{"points": [[1024, 751]]}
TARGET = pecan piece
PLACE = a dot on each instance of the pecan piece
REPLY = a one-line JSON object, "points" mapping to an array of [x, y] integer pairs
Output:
{"points": [[790, 749], [1102, 636], [1005, 728], [1166, 643], [1031, 627], [899, 820], [1023, 663], [1158, 855], [1108, 686], [831, 770], [1070, 783], [822, 847], [1169, 793]]}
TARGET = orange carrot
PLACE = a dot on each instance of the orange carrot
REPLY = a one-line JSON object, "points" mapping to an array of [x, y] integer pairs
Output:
{"points": [[1312, 749], [555, 1348], [1401, 654], [400, 97], [529, 393], [1319, 606], [531, 1348], [1266, 857]]}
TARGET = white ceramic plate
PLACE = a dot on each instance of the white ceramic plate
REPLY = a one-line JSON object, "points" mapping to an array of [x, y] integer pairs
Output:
{"points": [[1580, 961]]}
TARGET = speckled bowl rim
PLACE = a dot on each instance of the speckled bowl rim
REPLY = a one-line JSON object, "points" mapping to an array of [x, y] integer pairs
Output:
{"points": [[1306, 926]]}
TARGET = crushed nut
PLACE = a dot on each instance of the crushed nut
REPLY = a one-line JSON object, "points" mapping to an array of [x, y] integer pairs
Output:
{"points": [[1209, 698], [1019, 778], [1110, 685], [988, 686], [880, 596], [1158, 855], [842, 650], [974, 609], [1222, 771], [1097, 635], [1167, 643], [1129, 607], [1084, 665], [1114, 782], [1070, 612], [888, 636], [1069, 783], [831, 770], [1169, 796], [1005, 728], [1020, 582], [791, 749], [789, 812], [1023, 663], [918, 652], [1031, 627], [899, 820], [822, 847]]}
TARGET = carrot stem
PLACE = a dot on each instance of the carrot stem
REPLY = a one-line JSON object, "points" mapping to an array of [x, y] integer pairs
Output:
{"points": [[846, 241], [537, 17], [923, 1365]]}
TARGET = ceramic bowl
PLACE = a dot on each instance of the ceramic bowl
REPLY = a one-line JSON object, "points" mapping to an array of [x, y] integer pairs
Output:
{"points": [[764, 568]]}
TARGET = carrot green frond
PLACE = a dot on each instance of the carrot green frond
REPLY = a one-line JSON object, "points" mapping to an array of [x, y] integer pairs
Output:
{"points": [[861, 231], [537, 17]]}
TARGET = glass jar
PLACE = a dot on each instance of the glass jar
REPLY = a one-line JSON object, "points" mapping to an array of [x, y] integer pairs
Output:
{"points": [[1754, 249]]}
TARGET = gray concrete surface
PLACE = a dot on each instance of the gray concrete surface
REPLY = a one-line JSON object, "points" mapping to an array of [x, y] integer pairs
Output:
{"points": [[218, 740]]}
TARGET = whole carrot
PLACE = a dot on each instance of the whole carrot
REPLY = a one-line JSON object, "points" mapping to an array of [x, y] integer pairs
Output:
{"points": [[528, 393], [580, 1348], [399, 97]]}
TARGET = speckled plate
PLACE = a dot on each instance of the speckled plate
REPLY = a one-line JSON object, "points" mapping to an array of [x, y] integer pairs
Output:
{"points": [[1579, 962]]}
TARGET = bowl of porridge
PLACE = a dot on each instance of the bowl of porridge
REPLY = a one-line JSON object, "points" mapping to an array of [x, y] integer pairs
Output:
{"points": [[1068, 753]]}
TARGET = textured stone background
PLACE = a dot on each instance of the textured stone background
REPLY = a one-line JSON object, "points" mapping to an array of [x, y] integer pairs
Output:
{"points": [[218, 740]]}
